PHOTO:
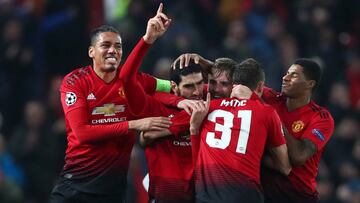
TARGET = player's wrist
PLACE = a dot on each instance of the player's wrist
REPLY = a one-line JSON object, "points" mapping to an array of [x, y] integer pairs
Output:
{"points": [[148, 39], [132, 125], [194, 131]]}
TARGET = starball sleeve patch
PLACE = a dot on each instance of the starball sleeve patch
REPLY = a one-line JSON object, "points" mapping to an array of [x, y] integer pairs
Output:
{"points": [[318, 134], [70, 98]]}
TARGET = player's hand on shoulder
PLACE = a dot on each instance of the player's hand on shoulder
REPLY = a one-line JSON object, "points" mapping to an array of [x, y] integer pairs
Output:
{"points": [[156, 26]]}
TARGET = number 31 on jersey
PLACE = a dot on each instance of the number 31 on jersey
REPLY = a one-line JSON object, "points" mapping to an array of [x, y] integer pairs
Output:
{"points": [[226, 128]]}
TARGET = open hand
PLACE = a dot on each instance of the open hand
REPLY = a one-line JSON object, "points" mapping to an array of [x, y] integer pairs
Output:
{"points": [[150, 123]]}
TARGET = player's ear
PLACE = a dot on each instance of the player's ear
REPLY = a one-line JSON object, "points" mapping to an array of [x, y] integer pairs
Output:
{"points": [[311, 84], [174, 87], [91, 52], [260, 87]]}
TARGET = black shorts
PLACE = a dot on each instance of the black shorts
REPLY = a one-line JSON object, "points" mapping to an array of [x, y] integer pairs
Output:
{"points": [[63, 192], [230, 195]]}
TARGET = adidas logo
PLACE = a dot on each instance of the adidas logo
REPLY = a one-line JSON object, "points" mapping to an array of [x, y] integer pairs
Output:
{"points": [[91, 97]]}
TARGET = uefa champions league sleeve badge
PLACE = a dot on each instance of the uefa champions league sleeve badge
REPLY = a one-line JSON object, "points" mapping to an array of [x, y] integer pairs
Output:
{"points": [[70, 98]]}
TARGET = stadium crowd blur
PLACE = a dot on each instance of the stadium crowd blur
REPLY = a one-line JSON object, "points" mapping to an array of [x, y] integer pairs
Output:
{"points": [[42, 40]]}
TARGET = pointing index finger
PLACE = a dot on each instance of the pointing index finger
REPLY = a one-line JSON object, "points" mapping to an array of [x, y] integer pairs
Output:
{"points": [[160, 8]]}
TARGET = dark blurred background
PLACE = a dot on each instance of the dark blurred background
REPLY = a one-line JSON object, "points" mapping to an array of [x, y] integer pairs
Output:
{"points": [[41, 41]]}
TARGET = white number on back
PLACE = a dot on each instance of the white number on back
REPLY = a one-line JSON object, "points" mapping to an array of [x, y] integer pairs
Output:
{"points": [[225, 130]]}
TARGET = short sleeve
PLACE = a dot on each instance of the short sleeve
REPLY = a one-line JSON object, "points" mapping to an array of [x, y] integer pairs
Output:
{"points": [[71, 96], [320, 130]]}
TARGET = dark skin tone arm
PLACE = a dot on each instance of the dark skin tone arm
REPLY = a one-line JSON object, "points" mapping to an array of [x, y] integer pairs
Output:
{"points": [[299, 150], [277, 158]]}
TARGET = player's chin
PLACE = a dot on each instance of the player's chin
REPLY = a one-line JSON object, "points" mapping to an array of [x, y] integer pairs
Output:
{"points": [[284, 92], [110, 68]]}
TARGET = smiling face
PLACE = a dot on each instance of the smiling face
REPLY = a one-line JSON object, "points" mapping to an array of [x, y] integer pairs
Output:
{"points": [[294, 83], [220, 85], [106, 52]]}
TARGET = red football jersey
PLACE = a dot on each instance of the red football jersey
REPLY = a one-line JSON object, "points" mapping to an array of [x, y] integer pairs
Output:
{"points": [[170, 169], [232, 141], [99, 144], [169, 159], [311, 122]]}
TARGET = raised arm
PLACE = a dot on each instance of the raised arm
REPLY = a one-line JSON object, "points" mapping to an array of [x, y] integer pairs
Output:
{"points": [[135, 94]]}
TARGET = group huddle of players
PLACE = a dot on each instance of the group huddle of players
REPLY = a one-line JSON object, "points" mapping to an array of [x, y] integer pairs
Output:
{"points": [[214, 133]]}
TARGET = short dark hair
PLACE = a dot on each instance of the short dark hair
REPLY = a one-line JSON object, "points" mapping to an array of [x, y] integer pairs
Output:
{"points": [[311, 69], [97, 31], [224, 65], [248, 73], [175, 74]]}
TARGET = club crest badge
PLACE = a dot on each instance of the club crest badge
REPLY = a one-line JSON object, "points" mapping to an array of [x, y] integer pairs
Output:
{"points": [[297, 126]]}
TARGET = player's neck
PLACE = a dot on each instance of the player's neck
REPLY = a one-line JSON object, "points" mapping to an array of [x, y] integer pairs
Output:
{"points": [[105, 76], [294, 103]]}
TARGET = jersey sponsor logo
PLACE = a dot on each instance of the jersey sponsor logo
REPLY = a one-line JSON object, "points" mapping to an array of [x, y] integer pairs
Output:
{"points": [[91, 96], [108, 109], [318, 134], [108, 120], [297, 126], [181, 143], [233, 103], [70, 98]]}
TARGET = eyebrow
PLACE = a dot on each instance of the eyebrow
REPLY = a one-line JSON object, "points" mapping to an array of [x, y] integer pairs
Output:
{"points": [[192, 83], [108, 42], [292, 72]]}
